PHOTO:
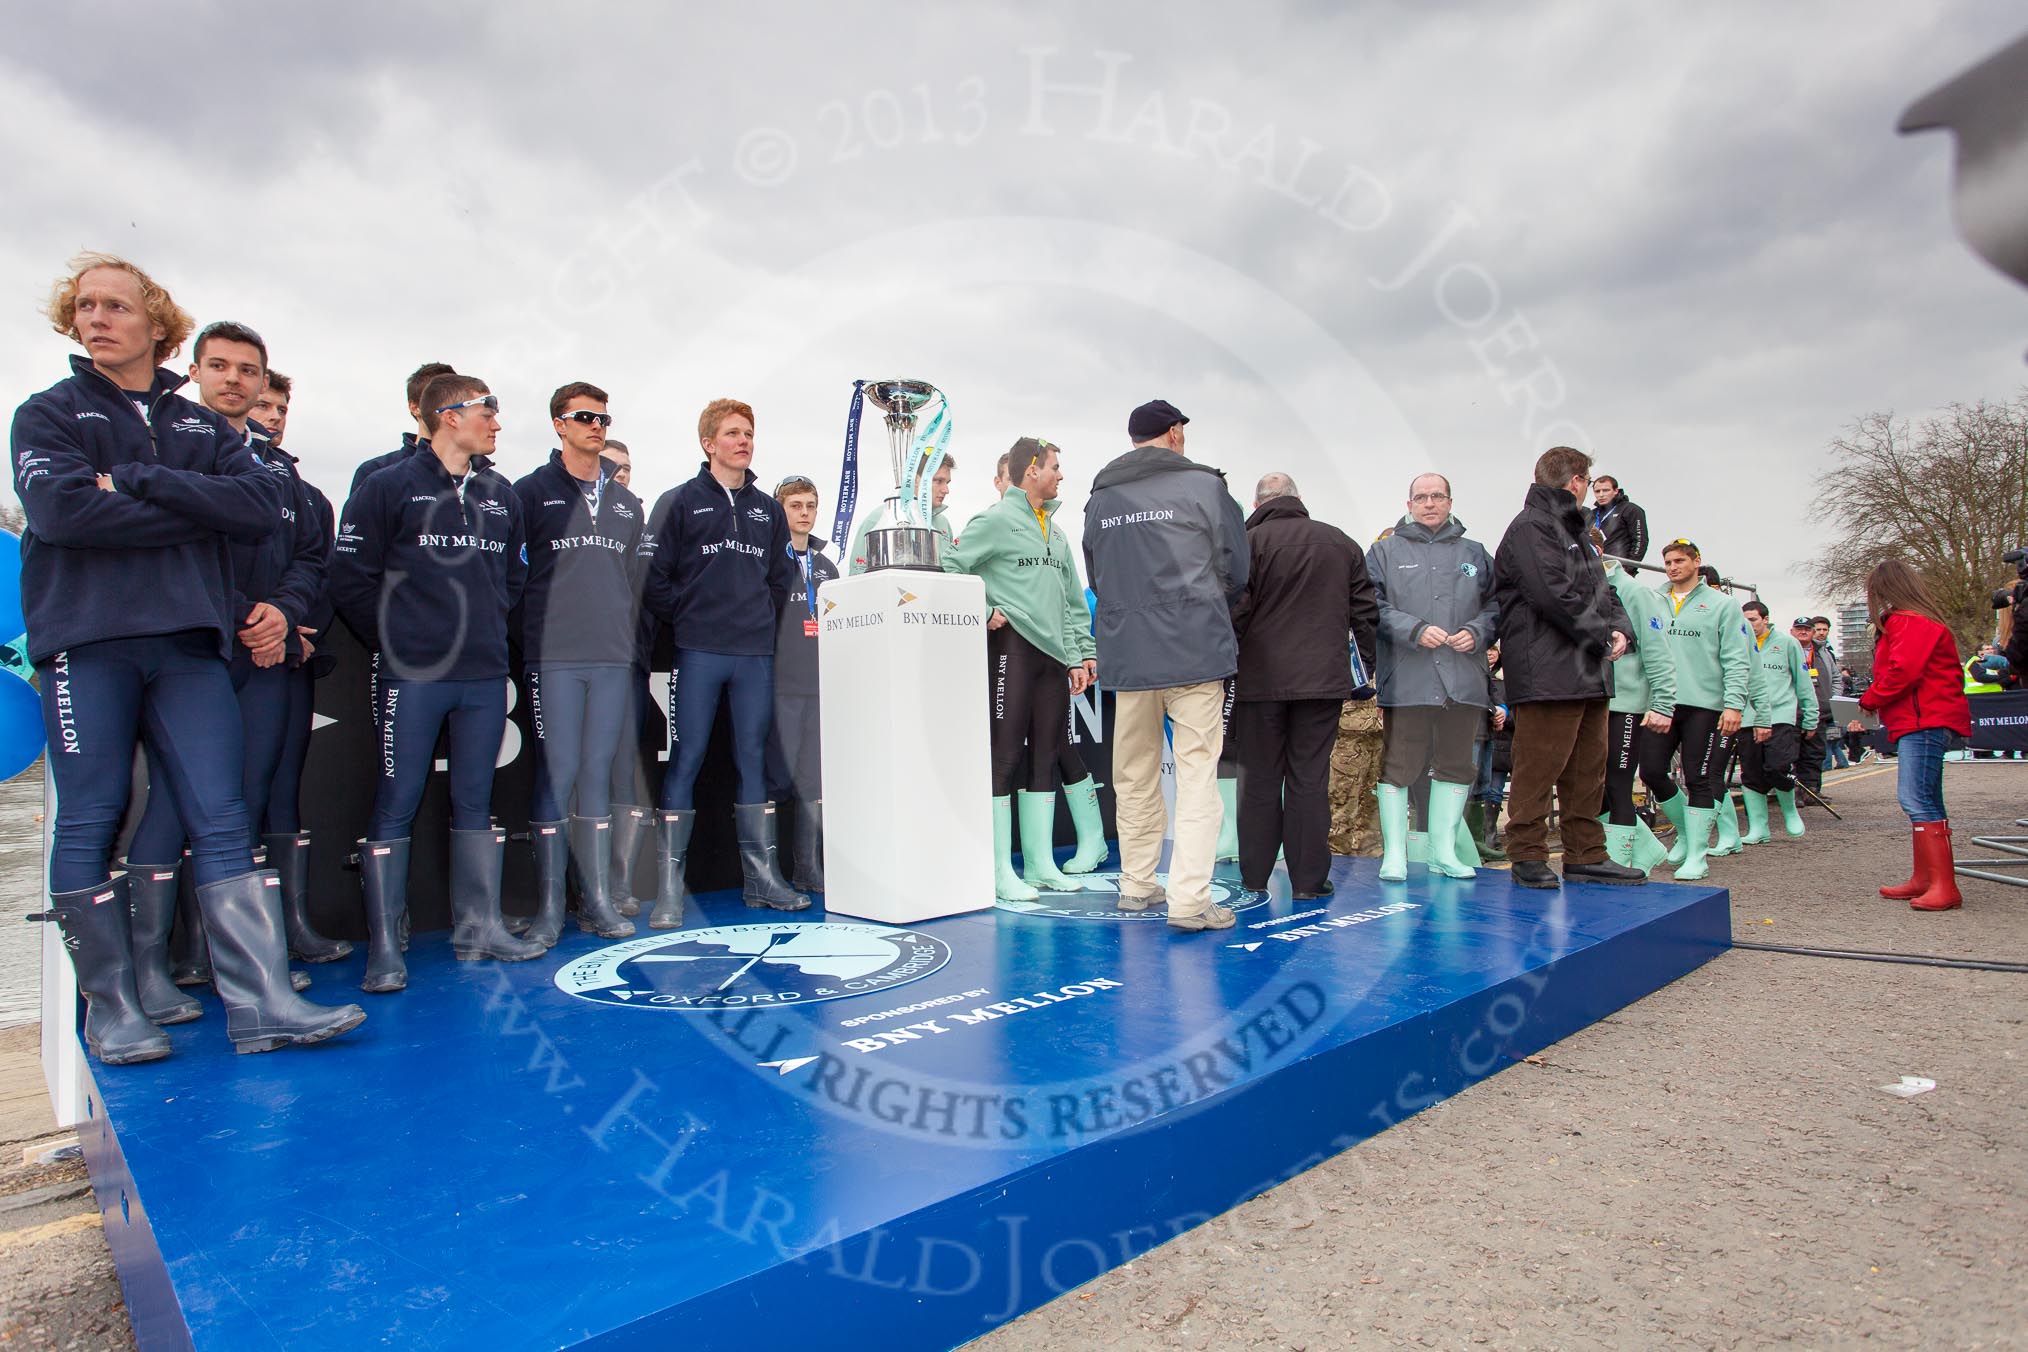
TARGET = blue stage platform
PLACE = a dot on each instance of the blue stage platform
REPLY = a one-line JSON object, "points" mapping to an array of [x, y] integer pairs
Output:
{"points": [[785, 1132]]}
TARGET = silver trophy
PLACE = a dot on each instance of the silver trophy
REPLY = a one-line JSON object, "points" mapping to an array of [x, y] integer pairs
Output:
{"points": [[901, 541]]}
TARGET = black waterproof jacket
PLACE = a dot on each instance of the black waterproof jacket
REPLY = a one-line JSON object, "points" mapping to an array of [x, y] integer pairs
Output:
{"points": [[1307, 596], [1557, 612], [1626, 528]]}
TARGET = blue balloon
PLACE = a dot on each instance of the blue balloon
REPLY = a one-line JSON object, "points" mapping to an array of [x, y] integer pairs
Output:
{"points": [[12, 624], [21, 736]]}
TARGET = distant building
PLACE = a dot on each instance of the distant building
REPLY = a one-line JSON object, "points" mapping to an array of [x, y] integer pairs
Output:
{"points": [[1854, 642]]}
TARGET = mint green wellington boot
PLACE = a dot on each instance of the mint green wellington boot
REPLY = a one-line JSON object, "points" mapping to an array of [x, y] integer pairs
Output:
{"points": [[1673, 808], [1648, 848], [1792, 817], [1038, 844], [1446, 824], [1697, 832], [1727, 817], [1091, 827], [1756, 819], [1393, 832], [1228, 827], [1007, 884], [1620, 845]]}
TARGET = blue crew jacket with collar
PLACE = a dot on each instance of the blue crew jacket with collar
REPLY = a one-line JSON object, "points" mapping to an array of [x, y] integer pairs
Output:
{"points": [[719, 570], [427, 567], [151, 556]]}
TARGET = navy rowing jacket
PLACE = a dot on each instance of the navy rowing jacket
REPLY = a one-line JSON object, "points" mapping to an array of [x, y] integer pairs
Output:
{"points": [[325, 525], [410, 444], [427, 567], [285, 569], [150, 557], [579, 603], [719, 570]]}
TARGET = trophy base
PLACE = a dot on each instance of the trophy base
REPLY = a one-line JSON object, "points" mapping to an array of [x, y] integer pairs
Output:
{"points": [[910, 548]]}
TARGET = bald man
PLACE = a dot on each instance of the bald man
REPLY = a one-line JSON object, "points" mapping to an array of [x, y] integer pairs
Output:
{"points": [[1307, 600]]}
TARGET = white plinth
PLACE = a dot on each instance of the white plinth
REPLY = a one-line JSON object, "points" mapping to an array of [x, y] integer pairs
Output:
{"points": [[908, 782]]}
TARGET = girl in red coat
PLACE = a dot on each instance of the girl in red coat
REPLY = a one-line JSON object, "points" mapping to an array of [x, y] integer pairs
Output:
{"points": [[1918, 691]]}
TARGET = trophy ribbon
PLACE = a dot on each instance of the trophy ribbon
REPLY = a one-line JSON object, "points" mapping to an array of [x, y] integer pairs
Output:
{"points": [[848, 473]]}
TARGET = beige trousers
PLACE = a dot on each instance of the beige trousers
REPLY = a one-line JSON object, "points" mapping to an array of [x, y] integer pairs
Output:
{"points": [[1197, 730]]}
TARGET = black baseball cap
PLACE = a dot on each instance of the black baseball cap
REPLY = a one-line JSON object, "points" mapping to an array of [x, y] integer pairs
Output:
{"points": [[1801, 622], [1152, 419]]}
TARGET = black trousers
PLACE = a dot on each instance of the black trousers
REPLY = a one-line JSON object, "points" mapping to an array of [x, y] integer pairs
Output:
{"points": [[1031, 711], [1770, 766], [1695, 733], [1631, 747], [1810, 760], [1285, 788]]}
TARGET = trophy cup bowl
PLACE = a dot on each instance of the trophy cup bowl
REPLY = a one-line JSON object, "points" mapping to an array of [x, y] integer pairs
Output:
{"points": [[898, 542]]}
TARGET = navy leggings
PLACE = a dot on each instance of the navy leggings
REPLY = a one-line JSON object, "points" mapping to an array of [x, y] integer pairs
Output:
{"points": [[695, 685], [285, 796], [579, 714], [262, 694], [412, 713], [174, 692]]}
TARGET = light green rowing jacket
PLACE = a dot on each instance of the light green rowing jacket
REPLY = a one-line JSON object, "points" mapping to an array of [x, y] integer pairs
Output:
{"points": [[1644, 679], [1712, 645], [1780, 684], [1029, 576]]}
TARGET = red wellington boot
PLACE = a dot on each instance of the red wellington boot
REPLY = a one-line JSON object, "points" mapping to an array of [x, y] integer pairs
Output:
{"points": [[1919, 883], [1942, 893]]}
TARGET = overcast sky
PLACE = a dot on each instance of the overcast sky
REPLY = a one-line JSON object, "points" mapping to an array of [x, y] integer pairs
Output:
{"points": [[1351, 242]]}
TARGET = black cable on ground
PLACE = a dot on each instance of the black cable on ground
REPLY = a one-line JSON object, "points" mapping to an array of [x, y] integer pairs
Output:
{"points": [[1913, 959]]}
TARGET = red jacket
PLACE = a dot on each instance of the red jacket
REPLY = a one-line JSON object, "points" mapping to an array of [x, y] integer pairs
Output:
{"points": [[1917, 682]]}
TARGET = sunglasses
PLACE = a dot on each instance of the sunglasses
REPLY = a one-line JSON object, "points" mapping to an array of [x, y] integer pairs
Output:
{"points": [[490, 402], [587, 417]]}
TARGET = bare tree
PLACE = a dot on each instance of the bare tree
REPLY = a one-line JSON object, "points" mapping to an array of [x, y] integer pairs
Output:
{"points": [[1948, 494], [11, 518]]}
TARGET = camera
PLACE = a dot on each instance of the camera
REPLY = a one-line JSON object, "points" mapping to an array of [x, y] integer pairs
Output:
{"points": [[2018, 556]]}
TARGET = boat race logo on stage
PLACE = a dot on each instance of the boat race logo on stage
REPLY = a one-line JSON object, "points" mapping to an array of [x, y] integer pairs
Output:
{"points": [[1100, 895], [748, 966]]}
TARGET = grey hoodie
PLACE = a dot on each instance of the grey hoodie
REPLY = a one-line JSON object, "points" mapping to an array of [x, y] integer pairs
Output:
{"points": [[1426, 577], [1165, 549]]}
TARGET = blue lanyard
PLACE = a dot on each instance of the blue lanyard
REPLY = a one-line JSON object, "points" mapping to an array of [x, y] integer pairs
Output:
{"points": [[809, 580]]}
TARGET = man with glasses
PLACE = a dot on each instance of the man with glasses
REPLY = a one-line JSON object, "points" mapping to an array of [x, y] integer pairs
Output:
{"points": [[411, 442], [719, 575], [431, 558], [576, 624], [1435, 589], [1561, 628]]}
